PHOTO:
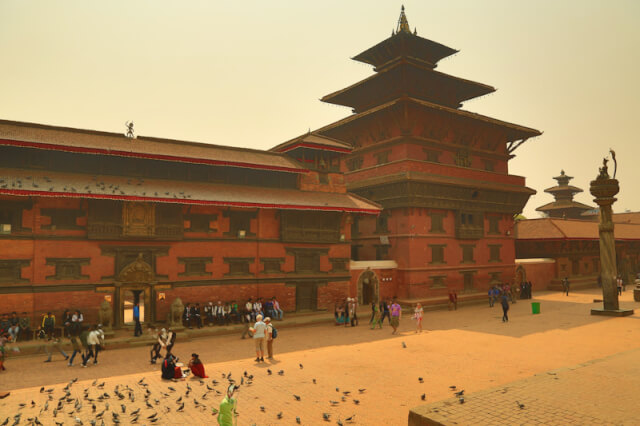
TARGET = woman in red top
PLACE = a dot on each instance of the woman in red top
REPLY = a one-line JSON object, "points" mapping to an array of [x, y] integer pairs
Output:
{"points": [[197, 367]]}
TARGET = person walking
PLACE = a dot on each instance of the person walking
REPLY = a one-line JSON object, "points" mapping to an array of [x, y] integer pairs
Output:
{"points": [[417, 315], [619, 285], [269, 337], [94, 342], [453, 300], [77, 348], [376, 317], [51, 345], [259, 329], [384, 310], [170, 340], [565, 285], [505, 308], [136, 318], [396, 313]]}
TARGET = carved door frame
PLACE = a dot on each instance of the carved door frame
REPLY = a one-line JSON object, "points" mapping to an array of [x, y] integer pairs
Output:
{"points": [[375, 282], [148, 295]]}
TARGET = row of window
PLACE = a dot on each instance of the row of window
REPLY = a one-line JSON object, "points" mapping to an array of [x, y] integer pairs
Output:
{"points": [[461, 158], [468, 253], [465, 220], [71, 268]]}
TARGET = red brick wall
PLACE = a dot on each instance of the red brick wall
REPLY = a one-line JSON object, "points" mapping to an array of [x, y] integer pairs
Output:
{"points": [[540, 274]]}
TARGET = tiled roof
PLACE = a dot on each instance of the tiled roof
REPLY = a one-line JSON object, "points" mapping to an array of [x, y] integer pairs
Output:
{"points": [[313, 141], [21, 182], [548, 228], [562, 205], [94, 142]]}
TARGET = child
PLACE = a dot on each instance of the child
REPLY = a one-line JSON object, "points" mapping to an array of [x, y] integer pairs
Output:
{"points": [[418, 314]]}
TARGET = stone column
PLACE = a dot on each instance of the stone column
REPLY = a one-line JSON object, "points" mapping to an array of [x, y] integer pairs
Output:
{"points": [[604, 188]]}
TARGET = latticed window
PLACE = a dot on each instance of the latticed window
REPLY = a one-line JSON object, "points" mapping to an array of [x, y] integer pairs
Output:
{"points": [[437, 222], [272, 265], [238, 265], [437, 253], [467, 253], [494, 252]]}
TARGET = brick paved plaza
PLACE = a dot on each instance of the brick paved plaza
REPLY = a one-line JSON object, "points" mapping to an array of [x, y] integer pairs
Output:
{"points": [[564, 365]]}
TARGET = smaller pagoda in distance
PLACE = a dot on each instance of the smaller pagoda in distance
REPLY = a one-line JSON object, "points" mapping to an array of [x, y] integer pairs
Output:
{"points": [[564, 206]]}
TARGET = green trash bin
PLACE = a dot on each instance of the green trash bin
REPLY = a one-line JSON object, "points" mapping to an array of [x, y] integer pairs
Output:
{"points": [[535, 307]]}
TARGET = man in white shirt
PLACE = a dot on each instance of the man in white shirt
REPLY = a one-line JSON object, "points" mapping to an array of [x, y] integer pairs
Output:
{"points": [[94, 342], [259, 335], [249, 307]]}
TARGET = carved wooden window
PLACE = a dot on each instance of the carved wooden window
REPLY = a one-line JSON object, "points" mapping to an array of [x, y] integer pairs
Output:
{"points": [[238, 265], [382, 252], [469, 225], [339, 264], [382, 223], [169, 222], [494, 225], [489, 165], [67, 269], [272, 265], [307, 262], [62, 218], [303, 226], [202, 222], [438, 281], [138, 219], [494, 252], [11, 216], [354, 164], [467, 253], [382, 157], [468, 280], [437, 253], [11, 270], [463, 158], [194, 266], [432, 156], [437, 223], [323, 178], [355, 251], [240, 223]]}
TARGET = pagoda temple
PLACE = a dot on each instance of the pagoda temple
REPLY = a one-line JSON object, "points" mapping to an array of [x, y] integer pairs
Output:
{"points": [[564, 206], [439, 172]]}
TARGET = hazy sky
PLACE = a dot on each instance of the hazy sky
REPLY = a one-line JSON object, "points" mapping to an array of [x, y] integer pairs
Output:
{"points": [[250, 73]]}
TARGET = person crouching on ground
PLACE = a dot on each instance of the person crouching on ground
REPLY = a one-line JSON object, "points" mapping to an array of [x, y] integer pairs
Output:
{"points": [[170, 370], [227, 412], [259, 330], [196, 366], [160, 343]]}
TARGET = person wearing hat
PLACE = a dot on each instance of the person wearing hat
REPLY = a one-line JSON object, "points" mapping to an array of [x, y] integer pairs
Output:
{"points": [[269, 337], [196, 366], [227, 411]]}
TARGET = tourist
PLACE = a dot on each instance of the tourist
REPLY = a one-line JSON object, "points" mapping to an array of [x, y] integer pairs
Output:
{"points": [[384, 310], [219, 313], [505, 308], [209, 312], [268, 308], [353, 312], [161, 342], [14, 326], [136, 318], [4, 324], [376, 318], [491, 300], [76, 322], [48, 324], [76, 346], [197, 318], [249, 308], [345, 311], [396, 313], [258, 331], [197, 367], [619, 285], [565, 285], [227, 411], [170, 340], [66, 322], [186, 316], [246, 318], [95, 339], [453, 300], [257, 308], [25, 325], [51, 345], [277, 309], [418, 314], [269, 337]]}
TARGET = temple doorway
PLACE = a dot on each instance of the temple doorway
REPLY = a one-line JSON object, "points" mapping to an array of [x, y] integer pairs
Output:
{"points": [[368, 287], [130, 298]]}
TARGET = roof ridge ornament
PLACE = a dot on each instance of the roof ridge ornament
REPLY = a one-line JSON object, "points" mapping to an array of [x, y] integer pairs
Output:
{"points": [[403, 24]]}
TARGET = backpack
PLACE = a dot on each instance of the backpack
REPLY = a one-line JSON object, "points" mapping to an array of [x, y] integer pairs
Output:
{"points": [[274, 332]]}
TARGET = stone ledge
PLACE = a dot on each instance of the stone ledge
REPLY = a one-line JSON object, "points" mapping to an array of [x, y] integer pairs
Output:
{"points": [[612, 312]]}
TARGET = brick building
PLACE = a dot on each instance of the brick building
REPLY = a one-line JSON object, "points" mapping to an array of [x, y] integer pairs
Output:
{"points": [[440, 172], [88, 215]]}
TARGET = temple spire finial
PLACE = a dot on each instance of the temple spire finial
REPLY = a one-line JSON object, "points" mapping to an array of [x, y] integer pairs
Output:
{"points": [[403, 24]]}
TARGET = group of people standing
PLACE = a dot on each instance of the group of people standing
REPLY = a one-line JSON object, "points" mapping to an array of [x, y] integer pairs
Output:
{"points": [[346, 312], [386, 309], [263, 334]]}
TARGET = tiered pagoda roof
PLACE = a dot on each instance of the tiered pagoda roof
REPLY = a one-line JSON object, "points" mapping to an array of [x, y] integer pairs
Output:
{"points": [[564, 205]]}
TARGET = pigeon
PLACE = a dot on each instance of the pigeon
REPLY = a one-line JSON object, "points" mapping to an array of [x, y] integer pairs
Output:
{"points": [[452, 387], [181, 408], [349, 419], [346, 393], [262, 408], [41, 390], [281, 372], [269, 372], [337, 389], [361, 390], [459, 393], [124, 408], [279, 415], [326, 416], [298, 420], [314, 381], [301, 366], [356, 401], [404, 345], [423, 397], [133, 413], [149, 405], [420, 379], [461, 400], [152, 416], [296, 397], [343, 398], [171, 389], [521, 406], [334, 403]]}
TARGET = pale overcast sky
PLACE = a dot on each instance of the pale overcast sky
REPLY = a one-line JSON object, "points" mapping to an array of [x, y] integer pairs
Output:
{"points": [[250, 73]]}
